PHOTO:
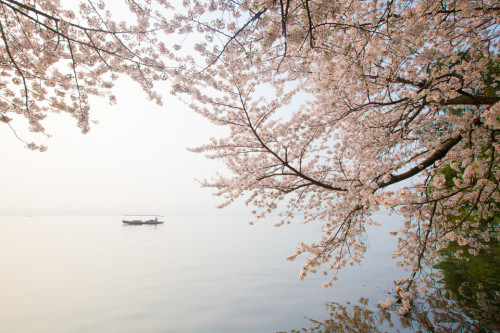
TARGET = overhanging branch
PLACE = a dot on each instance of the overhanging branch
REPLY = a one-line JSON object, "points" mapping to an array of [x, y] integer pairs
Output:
{"points": [[471, 100], [436, 156]]}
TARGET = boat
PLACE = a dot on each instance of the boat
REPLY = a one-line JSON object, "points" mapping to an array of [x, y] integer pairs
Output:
{"points": [[139, 222]]}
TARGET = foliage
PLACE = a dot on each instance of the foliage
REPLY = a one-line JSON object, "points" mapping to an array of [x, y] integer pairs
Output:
{"points": [[474, 283], [401, 109]]}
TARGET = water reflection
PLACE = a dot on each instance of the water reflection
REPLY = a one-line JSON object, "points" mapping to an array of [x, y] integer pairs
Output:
{"points": [[434, 313], [141, 226], [473, 284], [465, 298]]}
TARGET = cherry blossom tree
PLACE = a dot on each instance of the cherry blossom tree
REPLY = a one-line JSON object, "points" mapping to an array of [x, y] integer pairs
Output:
{"points": [[337, 109], [52, 59], [334, 109]]}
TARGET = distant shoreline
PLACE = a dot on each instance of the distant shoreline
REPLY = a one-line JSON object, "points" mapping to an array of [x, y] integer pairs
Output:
{"points": [[144, 215]]}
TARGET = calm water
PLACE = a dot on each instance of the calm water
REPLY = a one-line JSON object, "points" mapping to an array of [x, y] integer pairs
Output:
{"points": [[191, 274]]}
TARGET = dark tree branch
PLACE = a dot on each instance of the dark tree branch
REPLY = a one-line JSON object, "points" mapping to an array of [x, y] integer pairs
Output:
{"points": [[471, 100], [281, 160], [436, 156], [254, 18], [310, 28], [13, 61]]}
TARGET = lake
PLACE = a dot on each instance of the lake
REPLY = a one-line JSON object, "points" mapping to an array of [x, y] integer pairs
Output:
{"points": [[190, 274]]}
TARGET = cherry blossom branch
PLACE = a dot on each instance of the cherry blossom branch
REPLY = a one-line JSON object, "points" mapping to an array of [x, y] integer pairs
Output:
{"points": [[14, 62], [91, 45], [57, 20], [310, 24], [250, 21], [436, 156], [273, 153], [468, 99], [73, 66]]}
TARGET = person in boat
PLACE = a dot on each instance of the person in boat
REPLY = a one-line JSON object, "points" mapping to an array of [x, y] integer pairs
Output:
{"points": [[156, 219]]}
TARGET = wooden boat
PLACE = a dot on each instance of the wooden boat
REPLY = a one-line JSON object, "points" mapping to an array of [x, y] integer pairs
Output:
{"points": [[138, 222]]}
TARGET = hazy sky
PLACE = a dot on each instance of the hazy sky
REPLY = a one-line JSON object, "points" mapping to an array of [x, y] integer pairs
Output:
{"points": [[133, 162]]}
